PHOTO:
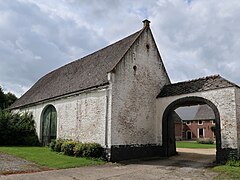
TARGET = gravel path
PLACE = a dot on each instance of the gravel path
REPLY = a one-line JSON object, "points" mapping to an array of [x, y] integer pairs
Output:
{"points": [[189, 164], [10, 164]]}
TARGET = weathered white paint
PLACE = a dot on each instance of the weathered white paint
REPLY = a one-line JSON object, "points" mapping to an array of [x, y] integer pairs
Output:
{"points": [[223, 99], [134, 93], [237, 96], [80, 117]]}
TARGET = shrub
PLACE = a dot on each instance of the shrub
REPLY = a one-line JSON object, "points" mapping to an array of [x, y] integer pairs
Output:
{"points": [[67, 147], [88, 150], [205, 141], [17, 129], [79, 149], [93, 150], [58, 145], [234, 163], [70, 148], [52, 144]]}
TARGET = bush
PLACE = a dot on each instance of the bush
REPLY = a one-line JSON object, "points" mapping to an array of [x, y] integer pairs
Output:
{"points": [[234, 163], [67, 147], [17, 129], [58, 145], [88, 150], [70, 148], [79, 149], [205, 141], [52, 144], [93, 150]]}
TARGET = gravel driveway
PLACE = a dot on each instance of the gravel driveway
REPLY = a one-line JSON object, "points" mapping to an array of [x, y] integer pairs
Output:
{"points": [[10, 164], [189, 164]]}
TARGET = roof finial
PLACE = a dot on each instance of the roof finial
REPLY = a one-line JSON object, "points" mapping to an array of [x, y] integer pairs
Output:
{"points": [[146, 23]]}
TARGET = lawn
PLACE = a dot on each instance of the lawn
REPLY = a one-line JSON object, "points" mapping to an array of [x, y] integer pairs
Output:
{"points": [[227, 172], [44, 157], [193, 144]]}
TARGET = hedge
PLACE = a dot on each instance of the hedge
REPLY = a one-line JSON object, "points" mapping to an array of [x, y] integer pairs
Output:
{"points": [[78, 149], [17, 129]]}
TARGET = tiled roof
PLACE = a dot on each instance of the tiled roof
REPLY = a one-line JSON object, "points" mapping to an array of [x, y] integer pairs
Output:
{"points": [[204, 112], [196, 85], [89, 71]]}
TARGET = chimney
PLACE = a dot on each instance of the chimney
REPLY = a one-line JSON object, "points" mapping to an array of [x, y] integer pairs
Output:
{"points": [[146, 23]]}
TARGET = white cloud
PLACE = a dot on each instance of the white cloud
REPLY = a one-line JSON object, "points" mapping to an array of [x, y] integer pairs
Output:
{"points": [[196, 38]]}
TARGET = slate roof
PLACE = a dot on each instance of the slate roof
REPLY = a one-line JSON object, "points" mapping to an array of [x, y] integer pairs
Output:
{"points": [[176, 118], [196, 85], [87, 72], [204, 112]]}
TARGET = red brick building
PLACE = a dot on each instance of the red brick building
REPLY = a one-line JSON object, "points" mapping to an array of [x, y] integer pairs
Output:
{"points": [[198, 127]]}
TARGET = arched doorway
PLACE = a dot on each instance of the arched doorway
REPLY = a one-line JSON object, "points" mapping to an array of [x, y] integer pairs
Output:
{"points": [[49, 124], [169, 143]]}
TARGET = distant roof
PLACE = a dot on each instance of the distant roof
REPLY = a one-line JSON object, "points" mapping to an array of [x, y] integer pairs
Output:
{"points": [[196, 85], [87, 72], [204, 112], [176, 118]]}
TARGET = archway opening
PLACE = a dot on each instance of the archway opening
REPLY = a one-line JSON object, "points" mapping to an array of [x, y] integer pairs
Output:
{"points": [[190, 119], [49, 125]]}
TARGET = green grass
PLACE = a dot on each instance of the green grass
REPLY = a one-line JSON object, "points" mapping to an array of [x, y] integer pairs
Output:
{"points": [[44, 157], [193, 144], [227, 172]]}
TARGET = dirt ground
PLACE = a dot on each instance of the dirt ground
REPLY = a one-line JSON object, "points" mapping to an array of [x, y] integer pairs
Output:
{"points": [[188, 164]]}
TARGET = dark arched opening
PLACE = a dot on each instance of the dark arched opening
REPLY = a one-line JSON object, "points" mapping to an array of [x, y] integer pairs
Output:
{"points": [[48, 125], [169, 144]]}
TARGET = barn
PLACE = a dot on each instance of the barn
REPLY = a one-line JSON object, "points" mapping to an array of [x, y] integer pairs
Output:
{"points": [[121, 97]]}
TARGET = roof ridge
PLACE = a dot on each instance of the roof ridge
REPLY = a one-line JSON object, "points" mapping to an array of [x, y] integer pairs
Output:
{"points": [[95, 52], [88, 71]]}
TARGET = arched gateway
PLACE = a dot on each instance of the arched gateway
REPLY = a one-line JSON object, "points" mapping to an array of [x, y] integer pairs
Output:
{"points": [[216, 92], [168, 123]]}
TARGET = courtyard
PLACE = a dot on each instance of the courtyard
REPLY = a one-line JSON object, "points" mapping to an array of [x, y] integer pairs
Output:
{"points": [[188, 164]]}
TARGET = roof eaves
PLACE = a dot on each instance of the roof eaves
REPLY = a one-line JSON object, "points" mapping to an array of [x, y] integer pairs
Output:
{"points": [[61, 96]]}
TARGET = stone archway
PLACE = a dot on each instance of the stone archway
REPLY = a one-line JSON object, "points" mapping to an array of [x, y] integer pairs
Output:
{"points": [[48, 124], [168, 130]]}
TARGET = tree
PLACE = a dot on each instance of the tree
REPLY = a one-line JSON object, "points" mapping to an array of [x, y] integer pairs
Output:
{"points": [[10, 98], [2, 99], [6, 100]]}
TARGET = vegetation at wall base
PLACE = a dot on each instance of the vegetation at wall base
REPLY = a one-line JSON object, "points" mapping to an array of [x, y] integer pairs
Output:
{"points": [[17, 129], [44, 157], [231, 170], [78, 149]]}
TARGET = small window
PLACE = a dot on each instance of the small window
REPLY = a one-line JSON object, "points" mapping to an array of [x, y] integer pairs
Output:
{"points": [[134, 68], [200, 133], [213, 121], [148, 46], [188, 122], [200, 122]]}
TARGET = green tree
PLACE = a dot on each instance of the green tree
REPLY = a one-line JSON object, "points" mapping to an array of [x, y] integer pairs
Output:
{"points": [[10, 98], [2, 99], [6, 99]]}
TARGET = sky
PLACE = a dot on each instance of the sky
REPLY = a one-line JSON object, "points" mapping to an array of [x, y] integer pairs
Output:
{"points": [[195, 38]]}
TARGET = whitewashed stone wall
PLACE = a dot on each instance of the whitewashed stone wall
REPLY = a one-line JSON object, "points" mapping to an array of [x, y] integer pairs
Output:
{"points": [[81, 117], [237, 91], [223, 99], [134, 93]]}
